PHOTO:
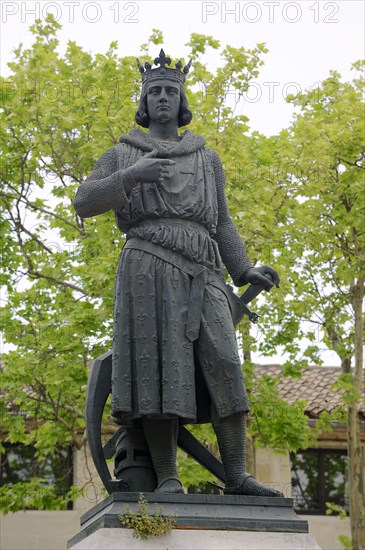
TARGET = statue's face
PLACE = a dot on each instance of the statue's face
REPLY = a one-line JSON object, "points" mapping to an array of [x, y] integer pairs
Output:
{"points": [[163, 100]]}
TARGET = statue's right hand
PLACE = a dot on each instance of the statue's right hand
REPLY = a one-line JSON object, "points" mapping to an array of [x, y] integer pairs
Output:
{"points": [[150, 170]]}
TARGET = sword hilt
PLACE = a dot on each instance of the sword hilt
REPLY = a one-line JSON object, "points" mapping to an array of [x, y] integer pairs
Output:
{"points": [[250, 294]]}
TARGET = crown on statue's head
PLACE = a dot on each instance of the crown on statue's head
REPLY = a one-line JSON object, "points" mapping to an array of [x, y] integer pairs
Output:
{"points": [[149, 74]]}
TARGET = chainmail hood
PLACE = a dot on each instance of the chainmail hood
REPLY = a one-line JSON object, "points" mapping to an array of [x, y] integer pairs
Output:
{"points": [[188, 143]]}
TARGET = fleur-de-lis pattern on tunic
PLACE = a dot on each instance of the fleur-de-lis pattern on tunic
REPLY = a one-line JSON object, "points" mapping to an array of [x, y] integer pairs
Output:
{"points": [[154, 363]]}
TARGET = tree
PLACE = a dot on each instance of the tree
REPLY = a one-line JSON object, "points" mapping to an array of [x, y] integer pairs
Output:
{"points": [[323, 249], [58, 272]]}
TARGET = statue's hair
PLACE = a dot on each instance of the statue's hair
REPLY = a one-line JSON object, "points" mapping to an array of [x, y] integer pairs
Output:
{"points": [[142, 118]]}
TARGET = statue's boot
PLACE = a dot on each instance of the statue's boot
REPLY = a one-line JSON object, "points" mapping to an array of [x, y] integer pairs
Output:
{"points": [[161, 437], [231, 436]]}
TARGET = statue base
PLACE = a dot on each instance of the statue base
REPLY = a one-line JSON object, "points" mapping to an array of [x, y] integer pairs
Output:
{"points": [[202, 521]]}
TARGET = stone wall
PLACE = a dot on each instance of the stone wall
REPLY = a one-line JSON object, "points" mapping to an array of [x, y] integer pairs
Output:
{"points": [[38, 530]]}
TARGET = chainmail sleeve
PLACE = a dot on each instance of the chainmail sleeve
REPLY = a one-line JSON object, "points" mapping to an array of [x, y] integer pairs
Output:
{"points": [[106, 188], [231, 247]]}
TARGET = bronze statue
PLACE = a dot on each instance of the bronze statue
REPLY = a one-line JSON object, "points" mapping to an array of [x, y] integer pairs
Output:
{"points": [[174, 337]]}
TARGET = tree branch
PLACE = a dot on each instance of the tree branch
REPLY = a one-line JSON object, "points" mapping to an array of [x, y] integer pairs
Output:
{"points": [[356, 163], [43, 210], [37, 274]]}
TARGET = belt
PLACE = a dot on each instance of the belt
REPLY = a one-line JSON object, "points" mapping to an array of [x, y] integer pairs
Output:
{"points": [[200, 274], [172, 222]]}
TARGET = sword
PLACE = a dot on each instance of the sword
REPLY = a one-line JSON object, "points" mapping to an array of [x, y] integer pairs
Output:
{"points": [[239, 304]]}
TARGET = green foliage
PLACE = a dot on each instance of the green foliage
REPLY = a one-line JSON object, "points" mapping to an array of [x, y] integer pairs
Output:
{"points": [[345, 384], [346, 541], [145, 525], [58, 115], [191, 473], [325, 420], [323, 241], [336, 509], [278, 424], [155, 38], [296, 199], [34, 494]]}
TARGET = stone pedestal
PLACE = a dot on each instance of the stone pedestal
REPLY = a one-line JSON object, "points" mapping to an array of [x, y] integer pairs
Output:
{"points": [[203, 521]]}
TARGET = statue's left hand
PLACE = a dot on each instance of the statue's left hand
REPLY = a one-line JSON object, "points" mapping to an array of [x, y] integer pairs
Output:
{"points": [[264, 275]]}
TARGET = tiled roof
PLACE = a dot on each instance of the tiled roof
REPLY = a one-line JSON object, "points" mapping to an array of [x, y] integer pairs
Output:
{"points": [[315, 387]]}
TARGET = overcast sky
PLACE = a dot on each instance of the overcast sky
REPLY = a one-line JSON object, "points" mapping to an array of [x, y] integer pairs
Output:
{"points": [[306, 39]]}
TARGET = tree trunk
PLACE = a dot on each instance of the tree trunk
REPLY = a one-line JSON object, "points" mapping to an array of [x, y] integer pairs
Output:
{"points": [[250, 440], [355, 452]]}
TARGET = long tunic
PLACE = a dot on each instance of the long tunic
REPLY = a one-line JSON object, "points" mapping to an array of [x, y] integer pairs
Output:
{"points": [[157, 369]]}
